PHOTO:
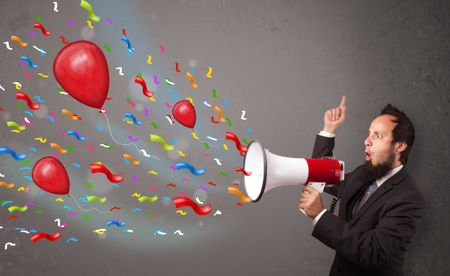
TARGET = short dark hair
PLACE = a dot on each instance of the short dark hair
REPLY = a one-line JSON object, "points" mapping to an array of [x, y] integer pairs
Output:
{"points": [[403, 130]]}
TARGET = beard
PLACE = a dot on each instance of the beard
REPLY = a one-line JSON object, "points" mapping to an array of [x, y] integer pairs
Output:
{"points": [[369, 172]]}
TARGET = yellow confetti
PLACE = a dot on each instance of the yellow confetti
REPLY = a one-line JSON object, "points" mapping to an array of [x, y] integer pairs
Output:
{"points": [[181, 153], [40, 139], [59, 200], [136, 195], [181, 212], [194, 135], [89, 24], [42, 75], [152, 99], [191, 100], [149, 59], [99, 231], [153, 172], [208, 75], [225, 147]]}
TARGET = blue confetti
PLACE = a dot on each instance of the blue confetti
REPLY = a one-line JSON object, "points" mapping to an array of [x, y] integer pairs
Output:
{"points": [[33, 149], [12, 153], [99, 127], [38, 98], [186, 165], [76, 134], [115, 222], [28, 60]]}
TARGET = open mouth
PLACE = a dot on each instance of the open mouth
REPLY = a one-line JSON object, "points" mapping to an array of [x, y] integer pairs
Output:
{"points": [[368, 156]]}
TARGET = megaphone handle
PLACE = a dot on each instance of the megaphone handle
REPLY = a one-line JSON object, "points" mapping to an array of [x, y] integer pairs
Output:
{"points": [[303, 211], [319, 186]]}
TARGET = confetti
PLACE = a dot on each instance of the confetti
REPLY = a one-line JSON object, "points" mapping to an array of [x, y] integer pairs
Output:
{"points": [[29, 61], [236, 191], [19, 41], [185, 165], [147, 198], [12, 153], [99, 168], [131, 158], [139, 80], [24, 96], [43, 30], [86, 5], [159, 139], [41, 235], [185, 201], [192, 80], [128, 42], [208, 75]]}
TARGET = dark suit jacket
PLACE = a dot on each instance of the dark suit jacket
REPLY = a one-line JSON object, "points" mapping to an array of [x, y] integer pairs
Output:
{"points": [[375, 239]]}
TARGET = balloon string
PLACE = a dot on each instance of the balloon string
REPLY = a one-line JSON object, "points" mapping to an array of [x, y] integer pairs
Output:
{"points": [[101, 212], [141, 151]]}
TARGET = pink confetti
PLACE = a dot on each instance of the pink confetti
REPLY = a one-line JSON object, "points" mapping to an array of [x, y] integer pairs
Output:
{"points": [[152, 188], [72, 213], [161, 47], [155, 79], [168, 105], [27, 75], [89, 147], [55, 155], [135, 178], [31, 33], [185, 179]]}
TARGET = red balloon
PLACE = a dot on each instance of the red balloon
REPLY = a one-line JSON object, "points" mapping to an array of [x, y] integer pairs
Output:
{"points": [[82, 71], [184, 113], [50, 175]]}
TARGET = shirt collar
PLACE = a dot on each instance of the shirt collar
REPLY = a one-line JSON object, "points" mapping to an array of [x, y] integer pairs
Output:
{"points": [[391, 173]]}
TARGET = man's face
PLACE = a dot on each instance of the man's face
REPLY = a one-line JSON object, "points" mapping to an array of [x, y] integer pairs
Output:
{"points": [[379, 146]]}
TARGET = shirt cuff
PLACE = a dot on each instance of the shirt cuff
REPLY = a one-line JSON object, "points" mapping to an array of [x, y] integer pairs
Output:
{"points": [[316, 219], [327, 134]]}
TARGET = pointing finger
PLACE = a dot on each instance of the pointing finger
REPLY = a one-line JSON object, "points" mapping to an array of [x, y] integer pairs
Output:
{"points": [[343, 102]]}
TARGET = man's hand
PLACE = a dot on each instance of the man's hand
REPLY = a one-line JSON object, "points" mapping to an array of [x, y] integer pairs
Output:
{"points": [[334, 117], [311, 202]]}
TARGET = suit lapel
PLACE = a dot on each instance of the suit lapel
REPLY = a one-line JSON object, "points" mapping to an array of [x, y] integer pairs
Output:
{"points": [[383, 189]]}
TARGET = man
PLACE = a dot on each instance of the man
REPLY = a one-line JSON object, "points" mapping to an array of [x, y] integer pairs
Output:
{"points": [[380, 204]]}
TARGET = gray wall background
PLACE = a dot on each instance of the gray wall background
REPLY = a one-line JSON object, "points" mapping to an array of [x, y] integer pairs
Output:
{"points": [[285, 63]]}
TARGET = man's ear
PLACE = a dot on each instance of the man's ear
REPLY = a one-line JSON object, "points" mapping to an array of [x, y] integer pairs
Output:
{"points": [[400, 146]]}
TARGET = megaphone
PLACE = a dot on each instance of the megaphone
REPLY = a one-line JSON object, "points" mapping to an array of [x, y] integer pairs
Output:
{"points": [[266, 171]]}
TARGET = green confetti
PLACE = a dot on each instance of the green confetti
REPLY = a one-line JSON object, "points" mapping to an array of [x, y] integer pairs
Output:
{"points": [[128, 100], [89, 185], [39, 19], [214, 93], [24, 162], [154, 125], [229, 121], [69, 148], [108, 49], [39, 212], [222, 173], [245, 141], [19, 105], [139, 74], [86, 217], [59, 89], [3, 201], [206, 145]]}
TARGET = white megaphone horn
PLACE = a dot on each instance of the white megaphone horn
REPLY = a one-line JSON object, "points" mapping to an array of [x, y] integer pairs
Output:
{"points": [[265, 171]]}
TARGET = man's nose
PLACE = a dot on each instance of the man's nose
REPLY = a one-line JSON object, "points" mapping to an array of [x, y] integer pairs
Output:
{"points": [[368, 141]]}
